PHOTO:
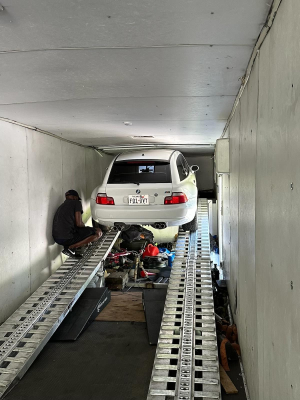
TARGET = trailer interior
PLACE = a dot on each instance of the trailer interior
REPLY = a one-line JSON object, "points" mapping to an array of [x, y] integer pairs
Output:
{"points": [[167, 313]]}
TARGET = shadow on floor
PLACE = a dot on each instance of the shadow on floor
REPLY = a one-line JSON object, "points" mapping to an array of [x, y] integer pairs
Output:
{"points": [[109, 361], [236, 376]]}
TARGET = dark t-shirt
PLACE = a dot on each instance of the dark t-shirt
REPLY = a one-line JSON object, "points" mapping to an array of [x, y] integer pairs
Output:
{"points": [[64, 224]]}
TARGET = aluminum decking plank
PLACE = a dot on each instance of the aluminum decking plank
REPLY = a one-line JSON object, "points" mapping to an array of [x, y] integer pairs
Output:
{"points": [[186, 364], [26, 332]]}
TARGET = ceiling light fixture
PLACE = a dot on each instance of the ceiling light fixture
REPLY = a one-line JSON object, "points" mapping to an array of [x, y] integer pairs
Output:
{"points": [[127, 123], [142, 136]]}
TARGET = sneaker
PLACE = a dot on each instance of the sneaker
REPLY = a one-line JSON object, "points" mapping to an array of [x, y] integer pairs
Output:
{"points": [[70, 253]]}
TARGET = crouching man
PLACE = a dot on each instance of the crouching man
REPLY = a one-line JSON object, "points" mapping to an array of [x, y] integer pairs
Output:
{"points": [[68, 229]]}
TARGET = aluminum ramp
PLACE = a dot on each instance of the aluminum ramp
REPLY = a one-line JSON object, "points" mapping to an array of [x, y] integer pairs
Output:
{"points": [[186, 364], [26, 332]]}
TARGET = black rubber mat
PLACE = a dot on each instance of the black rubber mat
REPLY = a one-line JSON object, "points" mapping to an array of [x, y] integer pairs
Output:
{"points": [[89, 305], [109, 361], [154, 303]]}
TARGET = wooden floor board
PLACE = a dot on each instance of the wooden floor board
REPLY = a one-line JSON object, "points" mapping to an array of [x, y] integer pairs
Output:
{"points": [[126, 306]]}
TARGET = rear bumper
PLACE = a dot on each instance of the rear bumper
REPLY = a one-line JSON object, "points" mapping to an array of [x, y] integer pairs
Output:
{"points": [[172, 215]]}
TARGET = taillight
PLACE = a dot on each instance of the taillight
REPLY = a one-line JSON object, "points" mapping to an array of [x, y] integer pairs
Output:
{"points": [[176, 198], [104, 200]]}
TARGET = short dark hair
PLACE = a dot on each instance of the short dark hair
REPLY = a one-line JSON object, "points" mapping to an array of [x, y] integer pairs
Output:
{"points": [[72, 192]]}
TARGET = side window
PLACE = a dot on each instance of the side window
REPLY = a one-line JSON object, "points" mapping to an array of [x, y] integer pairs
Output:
{"points": [[182, 170], [186, 166]]}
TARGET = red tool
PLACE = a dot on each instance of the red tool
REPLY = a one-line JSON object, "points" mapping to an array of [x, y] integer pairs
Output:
{"points": [[145, 274], [150, 251]]}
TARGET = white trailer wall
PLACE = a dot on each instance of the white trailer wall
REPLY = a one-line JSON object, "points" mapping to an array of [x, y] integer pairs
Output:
{"points": [[261, 249], [35, 172]]}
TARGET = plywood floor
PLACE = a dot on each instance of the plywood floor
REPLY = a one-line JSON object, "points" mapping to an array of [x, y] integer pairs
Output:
{"points": [[123, 307]]}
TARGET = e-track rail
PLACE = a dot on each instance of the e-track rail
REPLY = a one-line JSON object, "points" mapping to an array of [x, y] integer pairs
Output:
{"points": [[186, 363], [26, 332]]}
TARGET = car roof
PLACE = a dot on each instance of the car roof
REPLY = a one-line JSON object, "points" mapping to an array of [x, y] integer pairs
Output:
{"points": [[153, 154]]}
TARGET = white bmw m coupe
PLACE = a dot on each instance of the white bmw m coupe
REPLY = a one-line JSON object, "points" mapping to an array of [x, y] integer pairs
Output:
{"points": [[150, 187]]}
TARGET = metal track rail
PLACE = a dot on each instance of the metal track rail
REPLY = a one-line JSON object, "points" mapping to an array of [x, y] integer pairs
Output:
{"points": [[186, 363], [26, 332]]}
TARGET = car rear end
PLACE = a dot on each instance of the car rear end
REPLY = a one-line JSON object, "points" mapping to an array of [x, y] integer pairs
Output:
{"points": [[139, 191]]}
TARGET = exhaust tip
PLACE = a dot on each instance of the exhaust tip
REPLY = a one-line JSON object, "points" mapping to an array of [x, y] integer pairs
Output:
{"points": [[119, 226], [160, 225]]}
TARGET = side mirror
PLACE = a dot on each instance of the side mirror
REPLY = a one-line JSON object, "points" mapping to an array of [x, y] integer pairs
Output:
{"points": [[194, 168]]}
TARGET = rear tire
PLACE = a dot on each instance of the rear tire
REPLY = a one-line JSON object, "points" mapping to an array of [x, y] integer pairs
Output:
{"points": [[97, 225], [191, 226]]}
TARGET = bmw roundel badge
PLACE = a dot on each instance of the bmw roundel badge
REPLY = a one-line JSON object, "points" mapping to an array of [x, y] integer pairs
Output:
{"points": [[138, 191]]}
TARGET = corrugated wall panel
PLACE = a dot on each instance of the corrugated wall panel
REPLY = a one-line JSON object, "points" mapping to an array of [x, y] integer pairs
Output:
{"points": [[14, 238], [247, 310], [36, 170], [265, 211]]}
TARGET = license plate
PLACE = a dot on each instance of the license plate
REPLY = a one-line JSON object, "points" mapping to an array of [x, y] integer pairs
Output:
{"points": [[138, 199]]}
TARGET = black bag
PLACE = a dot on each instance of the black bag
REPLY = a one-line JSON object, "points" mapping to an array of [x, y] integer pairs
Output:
{"points": [[134, 233]]}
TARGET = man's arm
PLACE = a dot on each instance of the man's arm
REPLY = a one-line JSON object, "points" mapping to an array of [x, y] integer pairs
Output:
{"points": [[78, 219]]}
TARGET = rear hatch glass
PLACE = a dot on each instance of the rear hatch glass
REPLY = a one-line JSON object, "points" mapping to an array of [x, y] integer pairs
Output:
{"points": [[140, 172]]}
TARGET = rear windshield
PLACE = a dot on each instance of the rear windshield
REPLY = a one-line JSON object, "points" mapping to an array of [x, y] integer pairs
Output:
{"points": [[140, 172]]}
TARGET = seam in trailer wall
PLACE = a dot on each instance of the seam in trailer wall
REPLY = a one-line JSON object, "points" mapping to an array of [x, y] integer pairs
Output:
{"points": [[33, 128], [262, 36], [29, 216], [259, 367]]}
